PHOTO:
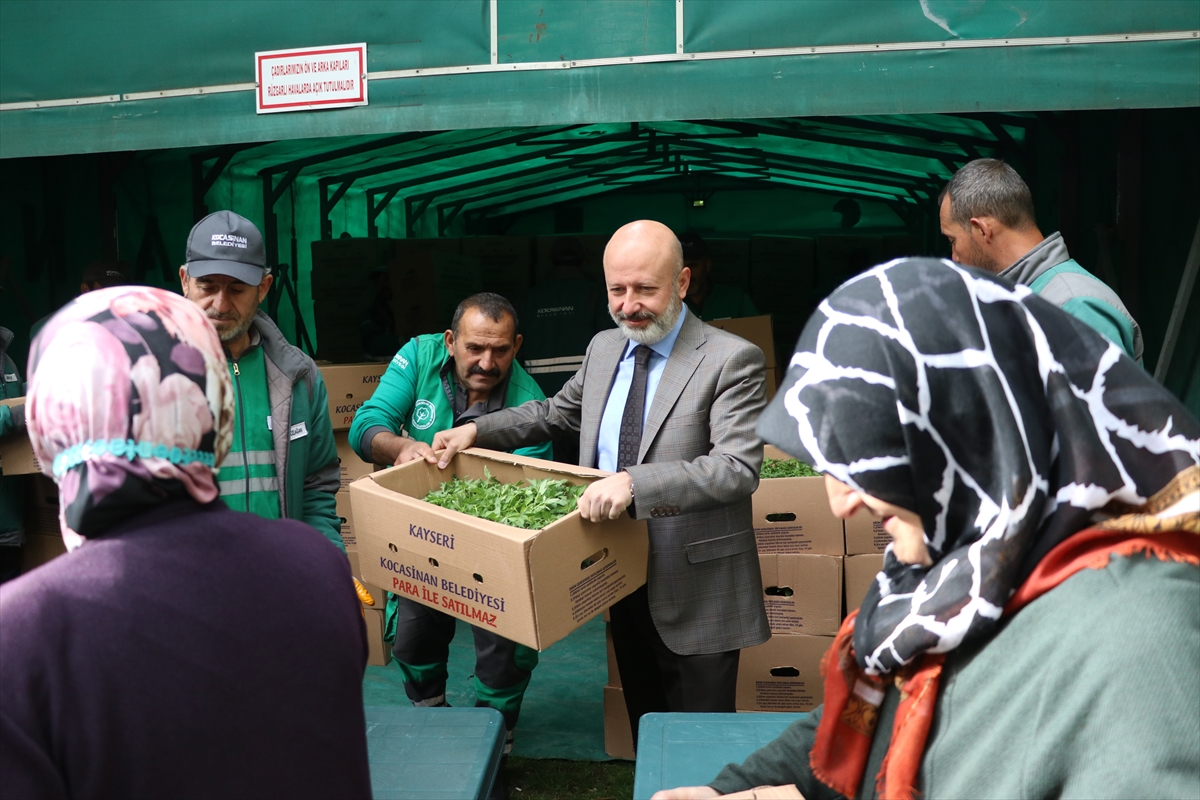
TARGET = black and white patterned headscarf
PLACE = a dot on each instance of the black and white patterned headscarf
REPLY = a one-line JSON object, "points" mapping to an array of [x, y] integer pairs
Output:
{"points": [[1002, 421]]}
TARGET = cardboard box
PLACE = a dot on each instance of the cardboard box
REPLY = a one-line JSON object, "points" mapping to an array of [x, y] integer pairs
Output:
{"points": [[802, 593], [342, 292], [592, 246], [533, 587], [378, 653], [842, 256], [614, 673], [350, 465], [730, 262], [377, 594], [41, 507], [346, 515], [348, 387], [865, 534], [791, 515], [757, 331], [505, 262], [427, 287], [16, 452], [860, 572], [782, 674], [39, 549], [618, 735]]}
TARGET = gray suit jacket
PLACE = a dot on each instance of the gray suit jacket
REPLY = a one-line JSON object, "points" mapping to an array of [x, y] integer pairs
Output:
{"points": [[697, 467]]}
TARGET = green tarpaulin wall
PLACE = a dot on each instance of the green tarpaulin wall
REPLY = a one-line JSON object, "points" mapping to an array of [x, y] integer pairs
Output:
{"points": [[890, 98]]}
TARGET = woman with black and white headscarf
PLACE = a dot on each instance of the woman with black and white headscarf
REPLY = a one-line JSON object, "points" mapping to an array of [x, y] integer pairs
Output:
{"points": [[1035, 631]]}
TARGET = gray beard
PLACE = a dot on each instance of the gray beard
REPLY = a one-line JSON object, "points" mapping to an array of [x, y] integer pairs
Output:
{"points": [[659, 326], [236, 331]]}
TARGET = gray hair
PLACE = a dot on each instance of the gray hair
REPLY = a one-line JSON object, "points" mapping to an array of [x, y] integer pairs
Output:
{"points": [[493, 306], [987, 187]]}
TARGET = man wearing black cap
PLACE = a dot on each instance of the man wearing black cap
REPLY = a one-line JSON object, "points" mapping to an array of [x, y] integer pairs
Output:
{"points": [[283, 462]]}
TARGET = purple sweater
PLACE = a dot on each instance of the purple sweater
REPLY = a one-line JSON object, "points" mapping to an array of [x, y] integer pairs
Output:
{"points": [[191, 651]]}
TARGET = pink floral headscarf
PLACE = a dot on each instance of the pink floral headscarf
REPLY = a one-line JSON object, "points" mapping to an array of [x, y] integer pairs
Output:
{"points": [[130, 404]]}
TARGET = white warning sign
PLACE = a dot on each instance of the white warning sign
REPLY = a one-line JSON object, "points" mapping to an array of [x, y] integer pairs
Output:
{"points": [[311, 78]]}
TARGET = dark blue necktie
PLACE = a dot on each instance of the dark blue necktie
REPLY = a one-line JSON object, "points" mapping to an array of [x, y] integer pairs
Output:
{"points": [[630, 440]]}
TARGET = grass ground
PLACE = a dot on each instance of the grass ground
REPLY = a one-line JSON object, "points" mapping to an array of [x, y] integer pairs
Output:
{"points": [[558, 779]]}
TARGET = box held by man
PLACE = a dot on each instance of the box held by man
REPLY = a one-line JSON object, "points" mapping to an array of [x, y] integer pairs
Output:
{"points": [[533, 587]]}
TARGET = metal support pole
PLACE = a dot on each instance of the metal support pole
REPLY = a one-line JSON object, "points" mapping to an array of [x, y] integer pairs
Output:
{"points": [[1186, 284], [679, 27], [493, 24]]}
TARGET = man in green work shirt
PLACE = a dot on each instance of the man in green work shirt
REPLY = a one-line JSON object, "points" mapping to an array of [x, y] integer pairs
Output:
{"points": [[283, 462], [987, 214], [439, 381], [708, 300]]}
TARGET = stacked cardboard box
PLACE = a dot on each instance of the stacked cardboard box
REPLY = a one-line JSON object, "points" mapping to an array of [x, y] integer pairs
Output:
{"points": [[782, 674], [43, 535], [758, 331], [348, 387], [378, 654], [842, 256], [800, 545], [730, 262], [618, 735], [860, 574], [865, 534], [427, 286], [506, 263], [783, 281], [342, 292], [593, 255]]}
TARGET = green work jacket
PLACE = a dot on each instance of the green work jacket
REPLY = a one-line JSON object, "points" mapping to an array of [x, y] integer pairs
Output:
{"points": [[305, 453], [411, 397]]}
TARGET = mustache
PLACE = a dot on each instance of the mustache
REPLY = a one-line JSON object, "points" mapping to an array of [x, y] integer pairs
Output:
{"points": [[637, 316], [222, 317], [494, 372]]}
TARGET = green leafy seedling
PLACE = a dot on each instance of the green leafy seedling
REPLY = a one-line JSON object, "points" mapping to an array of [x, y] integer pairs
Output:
{"points": [[786, 468], [531, 505]]}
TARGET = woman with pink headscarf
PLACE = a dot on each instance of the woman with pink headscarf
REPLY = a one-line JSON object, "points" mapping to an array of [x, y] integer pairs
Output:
{"points": [[170, 652]]}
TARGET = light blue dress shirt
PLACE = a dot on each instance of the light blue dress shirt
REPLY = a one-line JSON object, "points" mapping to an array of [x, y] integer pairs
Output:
{"points": [[614, 409]]}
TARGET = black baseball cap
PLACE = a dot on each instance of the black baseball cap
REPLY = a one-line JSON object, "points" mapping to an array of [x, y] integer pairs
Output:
{"points": [[225, 243]]}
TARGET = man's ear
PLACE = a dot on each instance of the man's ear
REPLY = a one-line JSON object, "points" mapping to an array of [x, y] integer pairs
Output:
{"points": [[517, 344], [183, 280], [685, 280], [449, 339], [985, 227], [265, 286]]}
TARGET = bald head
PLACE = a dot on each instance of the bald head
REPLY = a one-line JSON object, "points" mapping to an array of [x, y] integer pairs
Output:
{"points": [[646, 243], [646, 280]]}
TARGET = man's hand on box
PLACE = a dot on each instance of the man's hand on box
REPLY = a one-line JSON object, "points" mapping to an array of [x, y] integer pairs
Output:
{"points": [[447, 443], [411, 450], [607, 497]]}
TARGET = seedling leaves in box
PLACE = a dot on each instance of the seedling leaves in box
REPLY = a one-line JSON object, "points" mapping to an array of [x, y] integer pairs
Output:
{"points": [[531, 506], [786, 468]]}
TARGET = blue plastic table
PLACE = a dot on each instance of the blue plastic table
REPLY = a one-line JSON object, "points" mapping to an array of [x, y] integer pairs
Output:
{"points": [[690, 749], [433, 753]]}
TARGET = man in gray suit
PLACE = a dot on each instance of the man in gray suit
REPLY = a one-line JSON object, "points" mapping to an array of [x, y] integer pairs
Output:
{"points": [[667, 404]]}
